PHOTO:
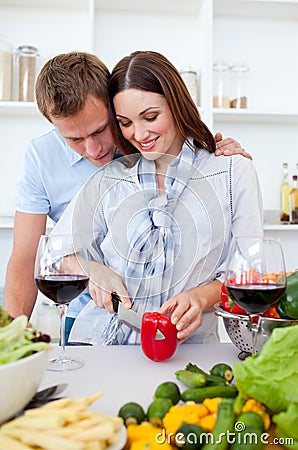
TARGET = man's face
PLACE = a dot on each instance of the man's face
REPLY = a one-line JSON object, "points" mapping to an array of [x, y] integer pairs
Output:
{"points": [[88, 133]]}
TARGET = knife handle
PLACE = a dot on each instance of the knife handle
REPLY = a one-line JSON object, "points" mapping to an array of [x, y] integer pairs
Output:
{"points": [[115, 301]]}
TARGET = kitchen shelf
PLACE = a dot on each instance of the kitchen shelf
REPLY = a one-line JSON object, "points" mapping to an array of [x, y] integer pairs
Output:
{"points": [[280, 227], [247, 115], [154, 6], [18, 108], [269, 9]]}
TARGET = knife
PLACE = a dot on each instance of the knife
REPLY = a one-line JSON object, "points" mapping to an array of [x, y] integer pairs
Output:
{"points": [[131, 318]]}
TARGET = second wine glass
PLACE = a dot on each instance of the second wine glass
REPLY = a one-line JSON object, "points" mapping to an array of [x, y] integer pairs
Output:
{"points": [[61, 274], [255, 276]]}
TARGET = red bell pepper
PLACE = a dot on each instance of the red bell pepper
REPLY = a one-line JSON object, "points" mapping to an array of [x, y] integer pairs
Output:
{"points": [[228, 304], [155, 349]]}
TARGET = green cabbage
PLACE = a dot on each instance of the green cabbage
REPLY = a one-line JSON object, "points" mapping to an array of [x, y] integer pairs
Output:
{"points": [[272, 376]]}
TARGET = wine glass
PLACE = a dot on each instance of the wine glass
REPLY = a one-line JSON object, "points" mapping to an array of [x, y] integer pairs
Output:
{"points": [[255, 277], [61, 273]]}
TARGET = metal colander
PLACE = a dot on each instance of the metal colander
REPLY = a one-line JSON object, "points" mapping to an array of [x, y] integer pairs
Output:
{"points": [[238, 329]]}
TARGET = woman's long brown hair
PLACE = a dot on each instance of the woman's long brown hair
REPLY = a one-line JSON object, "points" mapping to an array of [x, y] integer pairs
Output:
{"points": [[151, 71]]}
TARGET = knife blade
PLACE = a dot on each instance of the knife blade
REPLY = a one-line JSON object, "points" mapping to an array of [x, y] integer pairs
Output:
{"points": [[131, 318]]}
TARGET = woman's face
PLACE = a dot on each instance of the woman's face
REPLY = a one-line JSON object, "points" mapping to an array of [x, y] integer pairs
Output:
{"points": [[147, 123]]}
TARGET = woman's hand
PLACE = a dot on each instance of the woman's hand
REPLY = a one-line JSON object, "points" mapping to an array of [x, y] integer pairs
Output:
{"points": [[187, 308], [104, 281], [228, 146]]}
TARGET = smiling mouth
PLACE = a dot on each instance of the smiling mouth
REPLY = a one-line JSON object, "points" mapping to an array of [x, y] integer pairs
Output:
{"points": [[148, 145]]}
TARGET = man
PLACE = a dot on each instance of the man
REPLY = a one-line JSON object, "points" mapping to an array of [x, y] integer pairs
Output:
{"points": [[72, 93]]}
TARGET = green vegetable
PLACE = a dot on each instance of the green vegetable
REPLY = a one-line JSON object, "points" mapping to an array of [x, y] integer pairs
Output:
{"points": [[190, 437], [191, 379], [168, 389], [271, 376], [287, 307], [251, 419], [224, 424], [132, 412], [211, 380], [157, 410], [5, 318], [199, 394], [18, 341], [223, 370], [248, 439], [286, 426]]}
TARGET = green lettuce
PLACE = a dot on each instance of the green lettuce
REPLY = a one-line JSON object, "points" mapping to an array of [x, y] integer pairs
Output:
{"points": [[272, 376], [286, 426]]}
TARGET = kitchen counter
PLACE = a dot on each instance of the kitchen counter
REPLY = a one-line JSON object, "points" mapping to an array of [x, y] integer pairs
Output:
{"points": [[124, 374]]}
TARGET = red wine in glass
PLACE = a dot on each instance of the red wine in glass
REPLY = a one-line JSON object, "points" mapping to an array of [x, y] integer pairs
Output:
{"points": [[62, 288], [61, 273], [255, 276], [255, 298]]}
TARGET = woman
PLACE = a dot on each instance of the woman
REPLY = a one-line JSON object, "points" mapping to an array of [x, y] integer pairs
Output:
{"points": [[163, 217]]}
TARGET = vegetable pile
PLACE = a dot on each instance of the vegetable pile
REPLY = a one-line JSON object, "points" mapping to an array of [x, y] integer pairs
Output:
{"points": [[17, 340], [263, 392]]}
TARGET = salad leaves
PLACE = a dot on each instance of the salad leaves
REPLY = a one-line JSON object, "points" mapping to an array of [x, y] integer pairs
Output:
{"points": [[17, 340], [272, 376]]}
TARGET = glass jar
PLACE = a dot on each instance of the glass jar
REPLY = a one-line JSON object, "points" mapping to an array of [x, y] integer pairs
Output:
{"points": [[239, 74], [6, 69], [221, 85], [26, 61], [190, 78], [48, 319]]}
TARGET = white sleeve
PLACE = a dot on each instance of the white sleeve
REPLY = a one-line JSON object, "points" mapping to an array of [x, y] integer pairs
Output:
{"points": [[246, 199]]}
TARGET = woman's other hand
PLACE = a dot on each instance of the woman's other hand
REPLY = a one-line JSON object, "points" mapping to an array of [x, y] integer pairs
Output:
{"points": [[228, 146]]}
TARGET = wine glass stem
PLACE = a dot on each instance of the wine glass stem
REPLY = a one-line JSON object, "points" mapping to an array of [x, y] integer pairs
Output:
{"points": [[62, 308], [255, 321]]}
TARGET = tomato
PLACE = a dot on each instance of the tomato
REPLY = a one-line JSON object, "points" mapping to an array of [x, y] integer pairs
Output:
{"points": [[271, 313], [158, 349], [228, 304]]}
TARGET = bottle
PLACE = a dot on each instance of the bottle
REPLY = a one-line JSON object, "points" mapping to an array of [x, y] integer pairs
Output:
{"points": [[294, 201], [26, 57], [6, 69], [284, 195], [221, 85]]}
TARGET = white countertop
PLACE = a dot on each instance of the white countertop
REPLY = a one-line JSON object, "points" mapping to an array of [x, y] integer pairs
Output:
{"points": [[124, 374]]}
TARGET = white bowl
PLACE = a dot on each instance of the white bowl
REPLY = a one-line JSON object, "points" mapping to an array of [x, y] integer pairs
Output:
{"points": [[19, 381]]}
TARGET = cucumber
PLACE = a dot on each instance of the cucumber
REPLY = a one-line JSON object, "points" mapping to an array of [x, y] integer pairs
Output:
{"points": [[223, 370], [198, 395], [224, 425], [191, 379], [211, 380]]}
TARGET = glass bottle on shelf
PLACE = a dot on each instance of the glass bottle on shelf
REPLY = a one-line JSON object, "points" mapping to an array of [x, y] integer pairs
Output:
{"points": [[294, 201], [284, 195], [221, 85], [6, 69], [26, 61], [190, 78], [239, 74]]}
